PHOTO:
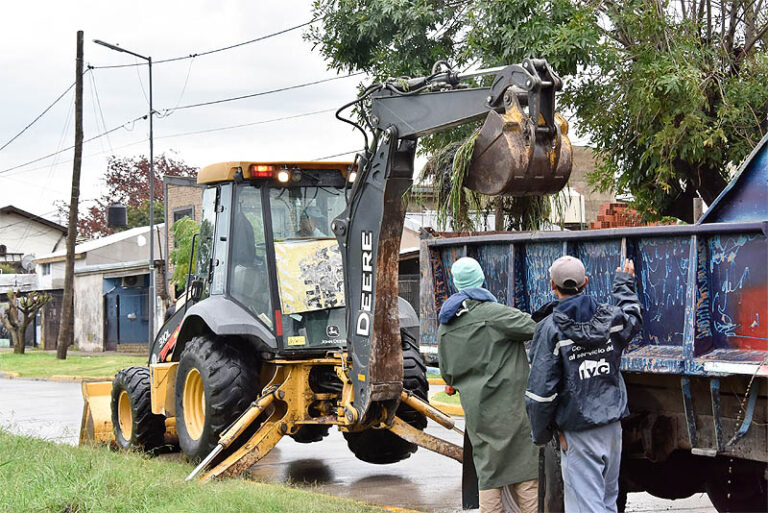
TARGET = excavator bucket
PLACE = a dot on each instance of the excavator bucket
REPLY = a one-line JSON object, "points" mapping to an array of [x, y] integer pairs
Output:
{"points": [[514, 156], [96, 425]]}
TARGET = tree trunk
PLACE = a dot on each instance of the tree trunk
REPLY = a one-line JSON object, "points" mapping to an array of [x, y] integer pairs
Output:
{"points": [[18, 342], [498, 220]]}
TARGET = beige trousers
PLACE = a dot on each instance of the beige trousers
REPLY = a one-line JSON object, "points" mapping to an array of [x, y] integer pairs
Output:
{"points": [[525, 495]]}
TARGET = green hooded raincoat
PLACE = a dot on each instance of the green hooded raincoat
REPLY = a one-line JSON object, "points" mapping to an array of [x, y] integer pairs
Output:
{"points": [[482, 356]]}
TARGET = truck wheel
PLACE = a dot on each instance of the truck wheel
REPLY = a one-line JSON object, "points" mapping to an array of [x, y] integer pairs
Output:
{"points": [[744, 489], [134, 424], [215, 383], [382, 446]]}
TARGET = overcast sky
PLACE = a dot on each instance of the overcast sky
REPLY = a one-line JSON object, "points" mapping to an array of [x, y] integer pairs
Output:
{"points": [[37, 63]]}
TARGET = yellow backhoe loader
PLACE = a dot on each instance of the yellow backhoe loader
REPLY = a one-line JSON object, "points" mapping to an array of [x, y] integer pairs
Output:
{"points": [[294, 323]]}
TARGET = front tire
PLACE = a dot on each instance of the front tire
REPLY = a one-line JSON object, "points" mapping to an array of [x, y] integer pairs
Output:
{"points": [[381, 446], [134, 424], [216, 381]]}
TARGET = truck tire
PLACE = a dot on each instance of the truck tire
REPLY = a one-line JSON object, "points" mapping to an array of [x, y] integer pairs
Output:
{"points": [[743, 488], [216, 381], [134, 424], [381, 446]]}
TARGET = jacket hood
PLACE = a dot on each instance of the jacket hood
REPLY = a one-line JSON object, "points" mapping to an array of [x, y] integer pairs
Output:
{"points": [[454, 303], [582, 319]]}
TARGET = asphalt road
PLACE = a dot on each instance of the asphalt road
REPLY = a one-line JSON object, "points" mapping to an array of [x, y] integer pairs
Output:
{"points": [[426, 481]]}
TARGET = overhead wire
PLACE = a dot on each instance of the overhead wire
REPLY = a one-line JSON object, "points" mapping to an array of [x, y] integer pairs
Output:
{"points": [[68, 89], [101, 111], [141, 84], [186, 81], [124, 125], [168, 111], [85, 157], [243, 125], [209, 52], [64, 131], [195, 132]]}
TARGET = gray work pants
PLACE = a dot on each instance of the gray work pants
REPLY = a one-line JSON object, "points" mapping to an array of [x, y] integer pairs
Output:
{"points": [[590, 468]]}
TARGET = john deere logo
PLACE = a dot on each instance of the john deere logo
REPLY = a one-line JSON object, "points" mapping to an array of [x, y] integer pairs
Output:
{"points": [[332, 331]]}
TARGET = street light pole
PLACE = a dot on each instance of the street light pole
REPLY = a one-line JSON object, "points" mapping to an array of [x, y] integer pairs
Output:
{"points": [[152, 281]]}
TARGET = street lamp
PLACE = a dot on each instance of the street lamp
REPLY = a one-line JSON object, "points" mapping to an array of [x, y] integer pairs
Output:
{"points": [[152, 285]]}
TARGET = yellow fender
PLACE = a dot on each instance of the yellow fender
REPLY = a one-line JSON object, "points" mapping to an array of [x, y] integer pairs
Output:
{"points": [[96, 425]]}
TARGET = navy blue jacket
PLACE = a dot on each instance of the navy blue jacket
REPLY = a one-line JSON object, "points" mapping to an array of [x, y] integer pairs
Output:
{"points": [[575, 383]]}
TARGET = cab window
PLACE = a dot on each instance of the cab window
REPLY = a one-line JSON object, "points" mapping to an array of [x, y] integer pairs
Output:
{"points": [[249, 278]]}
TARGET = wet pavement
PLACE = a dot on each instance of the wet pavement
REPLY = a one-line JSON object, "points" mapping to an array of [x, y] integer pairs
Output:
{"points": [[425, 481]]}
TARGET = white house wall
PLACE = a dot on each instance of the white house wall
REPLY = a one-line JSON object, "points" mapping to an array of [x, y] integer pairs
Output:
{"points": [[128, 250], [23, 235], [89, 312]]}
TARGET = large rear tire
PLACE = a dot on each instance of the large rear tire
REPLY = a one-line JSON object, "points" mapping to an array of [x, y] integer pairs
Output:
{"points": [[216, 381], [134, 424], [735, 485], [381, 446]]}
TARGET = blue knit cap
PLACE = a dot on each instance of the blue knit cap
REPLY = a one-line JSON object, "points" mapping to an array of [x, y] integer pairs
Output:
{"points": [[467, 273]]}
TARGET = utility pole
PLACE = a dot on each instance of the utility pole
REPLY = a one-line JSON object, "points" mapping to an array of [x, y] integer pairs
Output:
{"points": [[67, 309]]}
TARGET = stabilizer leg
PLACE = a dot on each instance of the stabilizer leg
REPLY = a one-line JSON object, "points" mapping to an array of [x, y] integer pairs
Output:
{"points": [[258, 446]]}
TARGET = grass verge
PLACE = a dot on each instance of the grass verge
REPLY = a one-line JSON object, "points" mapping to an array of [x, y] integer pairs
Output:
{"points": [[43, 364], [40, 476], [445, 398]]}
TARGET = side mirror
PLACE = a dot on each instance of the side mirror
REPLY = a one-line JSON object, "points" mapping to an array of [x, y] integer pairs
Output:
{"points": [[196, 290]]}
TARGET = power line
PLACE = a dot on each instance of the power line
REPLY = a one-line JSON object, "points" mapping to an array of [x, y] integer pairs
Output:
{"points": [[197, 132], [186, 81], [167, 112], [243, 125], [209, 52], [69, 162], [70, 147], [101, 112], [68, 89], [262, 93]]}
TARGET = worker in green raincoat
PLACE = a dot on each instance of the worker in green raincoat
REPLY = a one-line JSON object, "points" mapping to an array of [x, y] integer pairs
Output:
{"points": [[482, 356]]}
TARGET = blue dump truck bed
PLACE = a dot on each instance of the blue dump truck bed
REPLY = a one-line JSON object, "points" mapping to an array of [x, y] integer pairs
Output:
{"points": [[703, 288], [701, 360]]}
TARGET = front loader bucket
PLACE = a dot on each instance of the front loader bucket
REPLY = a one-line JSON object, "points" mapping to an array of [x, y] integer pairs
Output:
{"points": [[96, 425], [515, 157]]}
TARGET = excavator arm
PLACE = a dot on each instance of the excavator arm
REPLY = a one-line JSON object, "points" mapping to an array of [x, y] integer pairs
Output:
{"points": [[517, 153]]}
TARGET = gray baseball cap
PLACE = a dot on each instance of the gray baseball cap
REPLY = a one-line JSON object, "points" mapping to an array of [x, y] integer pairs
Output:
{"points": [[568, 272]]}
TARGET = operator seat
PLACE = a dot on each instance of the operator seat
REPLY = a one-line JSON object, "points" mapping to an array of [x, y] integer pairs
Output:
{"points": [[250, 279]]}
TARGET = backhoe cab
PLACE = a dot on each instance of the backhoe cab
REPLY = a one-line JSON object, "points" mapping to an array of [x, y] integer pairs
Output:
{"points": [[293, 323]]}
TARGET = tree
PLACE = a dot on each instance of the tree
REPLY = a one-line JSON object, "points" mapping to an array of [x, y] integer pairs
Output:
{"points": [[672, 94], [20, 311], [127, 180], [183, 231]]}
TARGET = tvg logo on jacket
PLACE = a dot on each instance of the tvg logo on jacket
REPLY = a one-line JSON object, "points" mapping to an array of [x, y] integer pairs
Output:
{"points": [[591, 368]]}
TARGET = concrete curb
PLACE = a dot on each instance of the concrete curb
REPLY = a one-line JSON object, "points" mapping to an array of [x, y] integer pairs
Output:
{"points": [[63, 377], [56, 377]]}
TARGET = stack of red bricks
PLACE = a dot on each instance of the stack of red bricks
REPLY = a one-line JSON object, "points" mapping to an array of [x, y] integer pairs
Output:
{"points": [[617, 215]]}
